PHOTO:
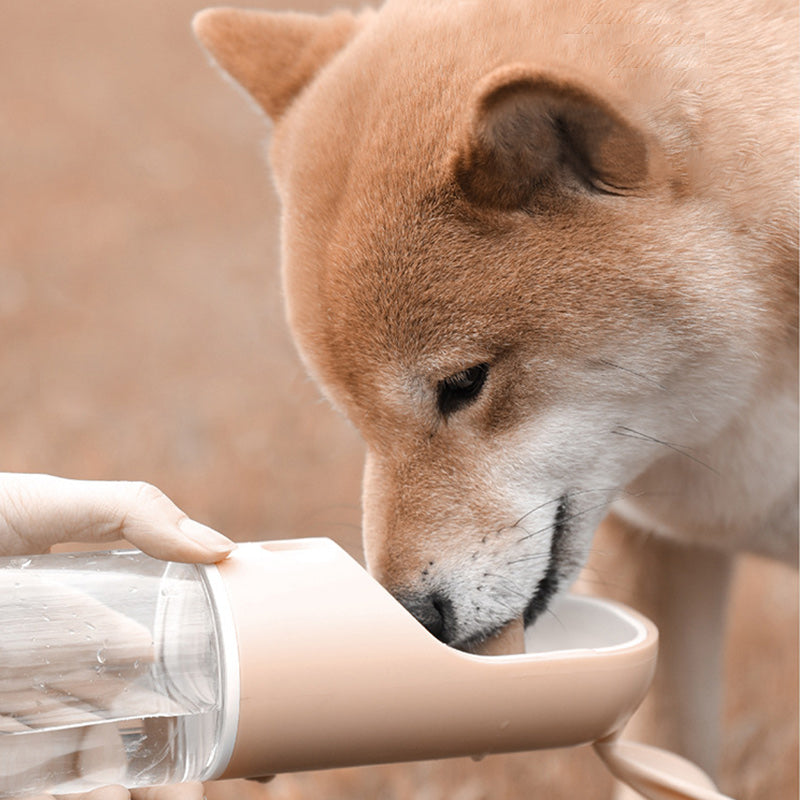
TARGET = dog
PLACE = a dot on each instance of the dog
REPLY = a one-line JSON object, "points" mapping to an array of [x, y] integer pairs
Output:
{"points": [[544, 257]]}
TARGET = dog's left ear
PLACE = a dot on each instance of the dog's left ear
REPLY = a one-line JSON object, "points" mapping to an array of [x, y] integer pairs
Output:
{"points": [[532, 129], [273, 55]]}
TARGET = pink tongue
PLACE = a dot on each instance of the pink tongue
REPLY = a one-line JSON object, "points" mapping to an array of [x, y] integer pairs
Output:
{"points": [[508, 641]]}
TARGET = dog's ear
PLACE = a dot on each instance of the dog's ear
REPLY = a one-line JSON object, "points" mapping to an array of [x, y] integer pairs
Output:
{"points": [[528, 130], [273, 55]]}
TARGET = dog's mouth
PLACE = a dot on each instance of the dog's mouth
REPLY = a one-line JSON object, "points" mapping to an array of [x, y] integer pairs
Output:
{"points": [[550, 581], [546, 588]]}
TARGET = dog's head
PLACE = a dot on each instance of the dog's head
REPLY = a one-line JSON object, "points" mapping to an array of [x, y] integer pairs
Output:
{"points": [[492, 270]]}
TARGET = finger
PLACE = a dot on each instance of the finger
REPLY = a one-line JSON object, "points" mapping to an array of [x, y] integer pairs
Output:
{"points": [[36, 797], [11, 725], [75, 740], [103, 760], [23, 765], [152, 522], [43, 708], [38, 511], [20, 761], [192, 790], [236, 790], [39, 608], [103, 793]]}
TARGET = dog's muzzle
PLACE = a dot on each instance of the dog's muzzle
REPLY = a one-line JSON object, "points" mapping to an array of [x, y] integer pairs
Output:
{"points": [[433, 610]]}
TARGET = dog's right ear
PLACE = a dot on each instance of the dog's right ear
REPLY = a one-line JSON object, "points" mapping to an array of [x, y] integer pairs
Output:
{"points": [[273, 56], [529, 130]]}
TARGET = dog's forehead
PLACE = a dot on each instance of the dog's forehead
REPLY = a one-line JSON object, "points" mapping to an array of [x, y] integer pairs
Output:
{"points": [[385, 113], [386, 299]]}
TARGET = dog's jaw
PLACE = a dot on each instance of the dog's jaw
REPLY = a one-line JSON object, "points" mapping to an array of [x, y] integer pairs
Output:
{"points": [[466, 602], [549, 583], [492, 542]]}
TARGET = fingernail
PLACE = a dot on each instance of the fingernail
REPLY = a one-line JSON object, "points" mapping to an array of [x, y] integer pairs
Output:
{"points": [[205, 536]]}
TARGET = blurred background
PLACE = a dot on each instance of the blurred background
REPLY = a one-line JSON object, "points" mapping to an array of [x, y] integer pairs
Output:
{"points": [[141, 316]]}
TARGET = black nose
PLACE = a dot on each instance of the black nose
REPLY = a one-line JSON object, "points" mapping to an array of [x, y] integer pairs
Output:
{"points": [[434, 611]]}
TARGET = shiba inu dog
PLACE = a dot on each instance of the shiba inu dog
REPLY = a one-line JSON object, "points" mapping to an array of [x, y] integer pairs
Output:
{"points": [[544, 257]]}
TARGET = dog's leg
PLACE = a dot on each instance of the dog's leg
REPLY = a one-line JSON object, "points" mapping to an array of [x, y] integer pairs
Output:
{"points": [[684, 590]]}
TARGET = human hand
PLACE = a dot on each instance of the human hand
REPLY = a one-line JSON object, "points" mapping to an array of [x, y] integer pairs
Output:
{"points": [[37, 511]]}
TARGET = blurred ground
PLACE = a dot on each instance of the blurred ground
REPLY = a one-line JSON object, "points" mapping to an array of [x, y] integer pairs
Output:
{"points": [[143, 336]]}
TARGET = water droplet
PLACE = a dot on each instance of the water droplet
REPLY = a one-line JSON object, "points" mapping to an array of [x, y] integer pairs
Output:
{"points": [[101, 656], [90, 625]]}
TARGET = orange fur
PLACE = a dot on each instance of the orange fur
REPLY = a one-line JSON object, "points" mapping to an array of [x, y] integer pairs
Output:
{"points": [[598, 201]]}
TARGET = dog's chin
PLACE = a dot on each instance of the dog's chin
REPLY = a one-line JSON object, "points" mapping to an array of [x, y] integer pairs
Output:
{"points": [[508, 636], [508, 639]]}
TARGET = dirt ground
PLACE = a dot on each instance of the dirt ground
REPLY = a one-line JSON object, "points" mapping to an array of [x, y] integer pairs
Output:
{"points": [[144, 338]]}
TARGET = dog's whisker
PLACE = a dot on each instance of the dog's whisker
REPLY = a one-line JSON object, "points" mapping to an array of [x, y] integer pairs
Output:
{"points": [[632, 372], [506, 587], [558, 499], [533, 511], [544, 558], [571, 517], [623, 430], [555, 616], [597, 576], [505, 604]]}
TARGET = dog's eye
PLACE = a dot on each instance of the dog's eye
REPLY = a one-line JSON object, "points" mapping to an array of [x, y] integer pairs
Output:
{"points": [[461, 389]]}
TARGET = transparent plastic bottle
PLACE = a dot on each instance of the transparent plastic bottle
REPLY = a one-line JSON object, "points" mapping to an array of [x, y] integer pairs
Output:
{"points": [[116, 668], [111, 672]]}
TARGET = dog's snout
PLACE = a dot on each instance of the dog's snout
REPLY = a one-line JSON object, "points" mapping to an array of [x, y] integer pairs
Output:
{"points": [[433, 610]]}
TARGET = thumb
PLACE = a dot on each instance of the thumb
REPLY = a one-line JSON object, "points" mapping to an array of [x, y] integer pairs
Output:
{"points": [[38, 511], [104, 793], [191, 790]]}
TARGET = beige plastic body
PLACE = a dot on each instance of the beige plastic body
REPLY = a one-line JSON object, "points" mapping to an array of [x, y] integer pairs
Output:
{"points": [[335, 672]]}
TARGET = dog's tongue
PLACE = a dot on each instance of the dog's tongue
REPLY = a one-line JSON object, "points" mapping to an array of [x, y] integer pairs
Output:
{"points": [[508, 641]]}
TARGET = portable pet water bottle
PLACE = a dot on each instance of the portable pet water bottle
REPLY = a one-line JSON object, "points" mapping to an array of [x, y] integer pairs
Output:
{"points": [[118, 668]]}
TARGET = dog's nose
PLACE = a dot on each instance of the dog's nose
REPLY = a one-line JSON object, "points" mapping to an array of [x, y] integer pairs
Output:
{"points": [[434, 611]]}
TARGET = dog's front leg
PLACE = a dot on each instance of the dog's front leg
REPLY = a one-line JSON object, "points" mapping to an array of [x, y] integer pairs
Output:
{"points": [[684, 590]]}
